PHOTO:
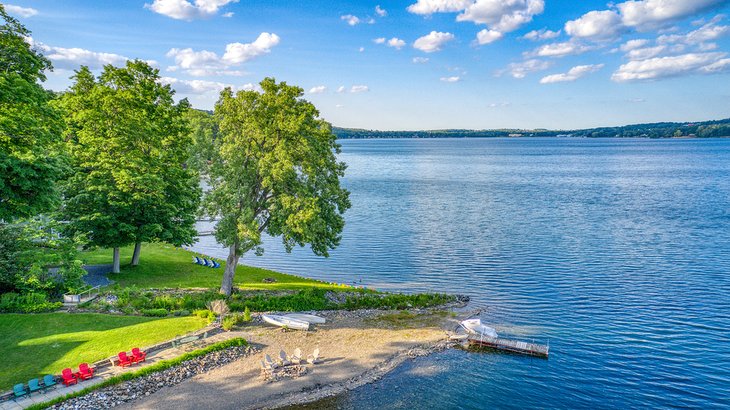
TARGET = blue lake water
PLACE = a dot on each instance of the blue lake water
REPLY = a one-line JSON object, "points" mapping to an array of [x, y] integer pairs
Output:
{"points": [[616, 251]]}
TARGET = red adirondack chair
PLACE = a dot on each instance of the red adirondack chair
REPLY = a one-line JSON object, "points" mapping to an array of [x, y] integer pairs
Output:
{"points": [[124, 360], [85, 372], [138, 355], [68, 377]]}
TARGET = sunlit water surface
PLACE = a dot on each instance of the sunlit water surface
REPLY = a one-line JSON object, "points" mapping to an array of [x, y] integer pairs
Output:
{"points": [[616, 251]]}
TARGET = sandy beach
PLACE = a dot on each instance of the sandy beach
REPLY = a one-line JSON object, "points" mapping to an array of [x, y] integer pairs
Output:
{"points": [[356, 348]]}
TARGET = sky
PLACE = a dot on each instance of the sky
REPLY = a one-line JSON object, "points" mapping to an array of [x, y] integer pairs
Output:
{"points": [[417, 64]]}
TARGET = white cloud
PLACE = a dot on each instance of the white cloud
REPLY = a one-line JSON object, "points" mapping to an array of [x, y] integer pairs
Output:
{"points": [[438, 6], [560, 49], [452, 79], [634, 44], [542, 34], [708, 32], [644, 13], [339, 106], [663, 67], [196, 87], [20, 11], [420, 60], [227, 15], [341, 89], [396, 43], [185, 10], [380, 11], [204, 62], [361, 49], [596, 25], [499, 104], [359, 89], [504, 16], [72, 58], [433, 41], [644, 53], [572, 74], [488, 36], [350, 19], [318, 89], [379, 40], [521, 70]]}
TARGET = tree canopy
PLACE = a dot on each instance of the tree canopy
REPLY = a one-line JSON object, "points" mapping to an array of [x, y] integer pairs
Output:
{"points": [[31, 153], [128, 143], [274, 170]]}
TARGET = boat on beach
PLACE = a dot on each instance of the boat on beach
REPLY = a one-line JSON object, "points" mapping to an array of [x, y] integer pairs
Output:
{"points": [[287, 322], [305, 317]]}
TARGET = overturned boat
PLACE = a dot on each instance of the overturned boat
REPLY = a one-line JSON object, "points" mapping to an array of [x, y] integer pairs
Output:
{"points": [[305, 317], [286, 322]]}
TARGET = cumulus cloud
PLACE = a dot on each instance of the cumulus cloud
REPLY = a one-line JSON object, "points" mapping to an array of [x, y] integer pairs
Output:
{"points": [[318, 89], [20, 11], [438, 6], [500, 15], [204, 62], [380, 11], [542, 34], [560, 49], [350, 19], [227, 15], [572, 74], [341, 89], [596, 25], [634, 44], [433, 41], [396, 43], [488, 36], [522, 69], [452, 79], [379, 40], [359, 89], [657, 12], [672, 66], [186, 10], [708, 32], [72, 58], [420, 60]]}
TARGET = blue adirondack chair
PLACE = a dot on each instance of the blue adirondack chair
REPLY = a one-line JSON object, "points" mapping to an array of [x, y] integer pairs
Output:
{"points": [[207, 263], [194, 261], [49, 380], [34, 385], [216, 264], [20, 391], [198, 261]]}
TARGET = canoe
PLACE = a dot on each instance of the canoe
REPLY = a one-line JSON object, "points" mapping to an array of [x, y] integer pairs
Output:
{"points": [[283, 321], [475, 326], [317, 320]]}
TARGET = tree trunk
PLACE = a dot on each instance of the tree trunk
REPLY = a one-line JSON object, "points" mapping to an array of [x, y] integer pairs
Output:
{"points": [[115, 267], [231, 263], [135, 255]]}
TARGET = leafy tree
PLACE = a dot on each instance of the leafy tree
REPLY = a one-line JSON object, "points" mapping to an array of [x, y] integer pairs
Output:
{"points": [[274, 171], [31, 154], [128, 142], [203, 132]]}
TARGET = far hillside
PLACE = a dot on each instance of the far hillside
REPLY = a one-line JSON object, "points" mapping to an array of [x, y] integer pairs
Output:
{"points": [[704, 129]]}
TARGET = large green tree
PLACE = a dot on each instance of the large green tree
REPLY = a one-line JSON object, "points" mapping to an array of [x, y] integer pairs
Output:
{"points": [[31, 150], [128, 143], [274, 170]]}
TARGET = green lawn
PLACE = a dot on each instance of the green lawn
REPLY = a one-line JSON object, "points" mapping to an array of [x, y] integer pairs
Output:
{"points": [[37, 344], [164, 266]]}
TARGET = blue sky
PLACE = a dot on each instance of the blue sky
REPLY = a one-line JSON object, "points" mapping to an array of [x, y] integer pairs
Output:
{"points": [[419, 64]]}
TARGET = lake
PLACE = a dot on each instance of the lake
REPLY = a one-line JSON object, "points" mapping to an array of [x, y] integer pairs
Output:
{"points": [[616, 251]]}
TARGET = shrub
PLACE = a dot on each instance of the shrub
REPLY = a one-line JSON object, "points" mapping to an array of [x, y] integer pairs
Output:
{"points": [[230, 321], [247, 314], [205, 314], [181, 312], [155, 312], [29, 303]]}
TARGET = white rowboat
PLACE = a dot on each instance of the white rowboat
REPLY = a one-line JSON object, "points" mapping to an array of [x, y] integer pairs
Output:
{"points": [[317, 320], [475, 326], [283, 321]]}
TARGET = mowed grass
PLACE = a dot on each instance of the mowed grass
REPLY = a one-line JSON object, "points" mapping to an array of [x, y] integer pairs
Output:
{"points": [[165, 266], [37, 344]]}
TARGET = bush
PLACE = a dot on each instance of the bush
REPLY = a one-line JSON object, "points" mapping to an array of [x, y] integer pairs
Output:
{"points": [[181, 312], [205, 314], [247, 314], [155, 312], [29, 303]]}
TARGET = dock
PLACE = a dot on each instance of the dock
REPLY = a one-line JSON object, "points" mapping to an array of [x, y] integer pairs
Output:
{"points": [[509, 345]]}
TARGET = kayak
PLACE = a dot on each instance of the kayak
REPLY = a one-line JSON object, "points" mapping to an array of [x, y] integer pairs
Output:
{"points": [[317, 320], [283, 321], [475, 326]]}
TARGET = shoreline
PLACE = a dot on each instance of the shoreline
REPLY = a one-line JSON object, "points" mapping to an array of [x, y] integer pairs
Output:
{"points": [[357, 347]]}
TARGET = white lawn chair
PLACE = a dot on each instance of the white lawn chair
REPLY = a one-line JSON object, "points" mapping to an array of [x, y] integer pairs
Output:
{"points": [[269, 362], [297, 357], [314, 357]]}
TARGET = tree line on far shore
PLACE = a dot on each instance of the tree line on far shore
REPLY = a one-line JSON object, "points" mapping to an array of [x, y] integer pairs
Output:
{"points": [[115, 161], [704, 129]]}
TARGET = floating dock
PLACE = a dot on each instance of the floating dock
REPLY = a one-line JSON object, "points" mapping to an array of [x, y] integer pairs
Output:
{"points": [[509, 345]]}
